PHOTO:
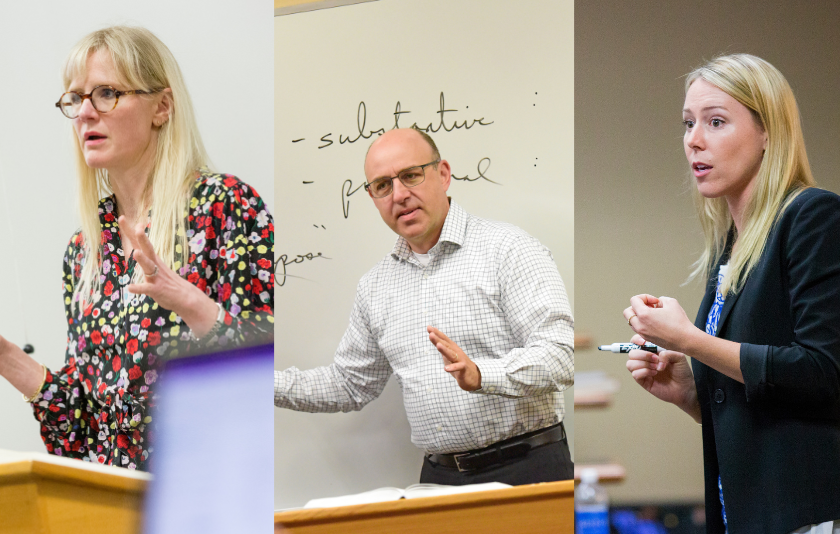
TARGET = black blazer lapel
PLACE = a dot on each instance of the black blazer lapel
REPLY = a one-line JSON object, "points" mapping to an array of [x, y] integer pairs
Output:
{"points": [[705, 305], [711, 289], [727, 307]]}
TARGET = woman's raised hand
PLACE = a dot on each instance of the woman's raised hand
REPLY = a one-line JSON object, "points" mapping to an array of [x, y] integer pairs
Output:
{"points": [[166, 287], [666, 375], [659, 320], [161, 283]]}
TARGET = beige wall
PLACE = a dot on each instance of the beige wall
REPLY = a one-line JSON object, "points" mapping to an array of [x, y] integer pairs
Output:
{"points": [[635, 226]]}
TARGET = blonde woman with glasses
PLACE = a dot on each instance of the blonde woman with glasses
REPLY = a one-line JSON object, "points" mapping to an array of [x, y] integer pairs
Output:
{"points": [[171, 258], [765, 347]]}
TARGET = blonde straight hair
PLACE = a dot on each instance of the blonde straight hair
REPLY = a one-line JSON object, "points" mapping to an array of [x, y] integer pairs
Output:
{"points": [[141, 61], [783, 174]]}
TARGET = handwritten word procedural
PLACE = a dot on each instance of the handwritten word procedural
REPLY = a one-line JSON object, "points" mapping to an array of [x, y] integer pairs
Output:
{"points": [[281, 263], [483, 165], [347, 189], [361, 124]]}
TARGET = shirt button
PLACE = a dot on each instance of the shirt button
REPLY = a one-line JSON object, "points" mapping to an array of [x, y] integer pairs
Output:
{"points": [[429, 390], [425, 276], [720, 396], [491, 389], [439, 428]]}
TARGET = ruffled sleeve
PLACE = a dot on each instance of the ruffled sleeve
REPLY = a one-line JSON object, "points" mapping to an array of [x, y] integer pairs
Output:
{"points": [[60, 407], [231, 240]]}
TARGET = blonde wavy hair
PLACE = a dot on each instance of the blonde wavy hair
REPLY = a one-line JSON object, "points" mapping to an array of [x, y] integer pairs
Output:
{"points": [[141, 61], [783, 174]]}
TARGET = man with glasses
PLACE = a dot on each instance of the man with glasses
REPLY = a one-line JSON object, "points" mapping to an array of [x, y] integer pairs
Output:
{"points": [[473, 318]]}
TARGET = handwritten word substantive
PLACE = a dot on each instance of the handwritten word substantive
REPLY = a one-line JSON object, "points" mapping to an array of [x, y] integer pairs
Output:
{"points": [[366, 133]]}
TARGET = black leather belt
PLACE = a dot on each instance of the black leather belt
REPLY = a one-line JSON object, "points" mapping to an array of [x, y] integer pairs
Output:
{"points": [[500, 451]]}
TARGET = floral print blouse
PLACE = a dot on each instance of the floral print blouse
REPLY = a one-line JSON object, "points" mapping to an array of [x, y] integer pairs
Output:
{"points": [[98, 406]]}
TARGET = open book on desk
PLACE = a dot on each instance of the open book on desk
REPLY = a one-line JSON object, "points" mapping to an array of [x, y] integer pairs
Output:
{"points": [[394, 494]]}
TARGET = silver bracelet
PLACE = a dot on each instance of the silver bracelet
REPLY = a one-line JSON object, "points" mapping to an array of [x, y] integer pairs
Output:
{"points": [[220, 322]]}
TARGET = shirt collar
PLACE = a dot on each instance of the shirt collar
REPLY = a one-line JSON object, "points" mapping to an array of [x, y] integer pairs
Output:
{"points": [[454, 231]]}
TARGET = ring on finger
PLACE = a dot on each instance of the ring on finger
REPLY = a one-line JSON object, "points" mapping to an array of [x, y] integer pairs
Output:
{"points": [[155, 273], [628, 320]]}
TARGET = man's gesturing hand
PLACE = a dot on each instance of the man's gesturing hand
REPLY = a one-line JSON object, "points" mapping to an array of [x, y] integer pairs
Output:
{"points": [[458, 364]]}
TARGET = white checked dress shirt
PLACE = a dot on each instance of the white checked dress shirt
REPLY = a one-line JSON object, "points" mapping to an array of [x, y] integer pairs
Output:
{"points": [[491, 288]]}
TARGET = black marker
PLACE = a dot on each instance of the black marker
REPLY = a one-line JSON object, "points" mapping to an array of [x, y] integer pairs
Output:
{"points": [[624, 348]]}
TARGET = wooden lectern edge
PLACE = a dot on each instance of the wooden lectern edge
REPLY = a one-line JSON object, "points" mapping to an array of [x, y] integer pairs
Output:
{"points": [[27, 468], [593, 399], [531, 492], [582, 341], [607, 472]]}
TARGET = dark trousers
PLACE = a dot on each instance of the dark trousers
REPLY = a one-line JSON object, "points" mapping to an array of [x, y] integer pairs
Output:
{"points": [[547, 463]]}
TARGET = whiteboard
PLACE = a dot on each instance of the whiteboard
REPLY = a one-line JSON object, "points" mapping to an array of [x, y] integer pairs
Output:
{"points": [[493, 83], [223, 48]]}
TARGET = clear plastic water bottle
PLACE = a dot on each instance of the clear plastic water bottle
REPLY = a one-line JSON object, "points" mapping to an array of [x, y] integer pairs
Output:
{"points": [[592, 506]]}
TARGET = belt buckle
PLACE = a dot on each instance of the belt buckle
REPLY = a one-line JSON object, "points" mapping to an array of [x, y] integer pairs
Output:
{"points": [[458, 464]]}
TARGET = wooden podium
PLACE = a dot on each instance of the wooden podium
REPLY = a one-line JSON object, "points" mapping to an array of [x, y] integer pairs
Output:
{"points": [[45, 494], [535, 509]]}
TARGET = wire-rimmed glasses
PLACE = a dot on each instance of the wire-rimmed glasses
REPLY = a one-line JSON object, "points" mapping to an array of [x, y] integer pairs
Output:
{"points": [[104, 98], [410, 177]]}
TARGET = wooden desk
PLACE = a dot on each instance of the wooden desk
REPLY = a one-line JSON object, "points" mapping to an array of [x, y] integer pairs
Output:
{"points": [[582, 341], [594, 389], [50, 495], [593, 399], [607, 472], [535, 509]]}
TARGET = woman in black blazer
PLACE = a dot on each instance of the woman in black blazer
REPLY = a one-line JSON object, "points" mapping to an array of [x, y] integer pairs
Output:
{"points": [[765, 346]]}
